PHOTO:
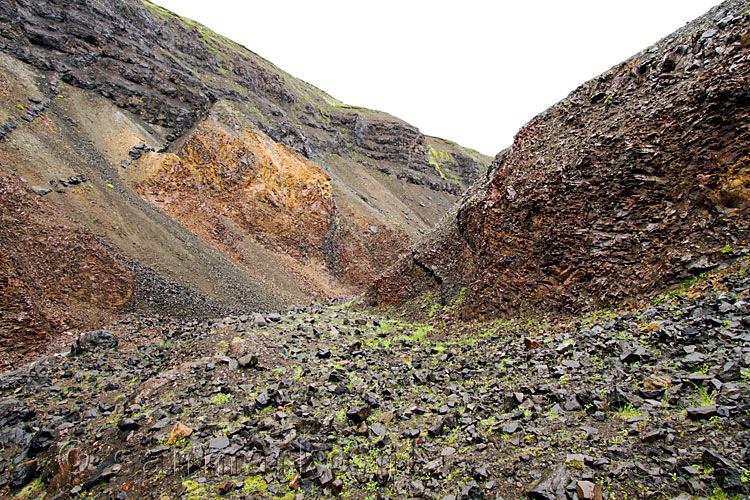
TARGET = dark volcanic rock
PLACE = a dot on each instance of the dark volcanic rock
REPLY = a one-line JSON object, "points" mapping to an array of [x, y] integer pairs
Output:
{"points": [[94, 339], [551, 486], [604, 198]]}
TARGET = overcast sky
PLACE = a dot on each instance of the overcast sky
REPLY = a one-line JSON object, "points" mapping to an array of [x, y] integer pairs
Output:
{"points": [[470, 71]]}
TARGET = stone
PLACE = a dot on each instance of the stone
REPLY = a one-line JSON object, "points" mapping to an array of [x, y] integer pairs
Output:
{"points": [[295, 482], [248, 361], [105, 470], [510, 427], [656, 381], [325, 475], [448, 451], [263, 399], [617, 398], [179, 431], [729, 478], [23, 474], [575, 460], [41, 190], [336, 487], [551, 486], [730, 372], [218, 443], [701, 412], [128, 424], [7, 126], [94, 339], [586, 490], [259, 320], [694, 359], [358, 414], [530, 344], [378, 430], [40, 441]]}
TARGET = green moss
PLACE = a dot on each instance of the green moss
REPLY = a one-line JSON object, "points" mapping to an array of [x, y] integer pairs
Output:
{"points": [[221, 399], [629, 411], [255, 485], [459, 300], [198, 491], [437, 158], [433, 309]]}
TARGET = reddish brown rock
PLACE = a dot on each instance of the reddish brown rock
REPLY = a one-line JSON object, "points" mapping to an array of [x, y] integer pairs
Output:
{"points": [[54, 276], [587, 490], [637, 180]]}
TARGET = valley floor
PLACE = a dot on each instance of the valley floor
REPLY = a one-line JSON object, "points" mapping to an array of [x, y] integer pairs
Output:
{"points": [[329, 401]]}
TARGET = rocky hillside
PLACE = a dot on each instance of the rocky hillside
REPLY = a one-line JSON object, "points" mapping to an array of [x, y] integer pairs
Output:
{"points": [[55, 275], [218, 179], [325, 402], [639, 179]]}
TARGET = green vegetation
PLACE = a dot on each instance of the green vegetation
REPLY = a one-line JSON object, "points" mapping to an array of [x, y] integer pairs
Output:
{"points": [[20, 107], [628, 411], [198, 491], [220, 399], [31, 490], [458, 301], [720, 494], [704, 398], [254, 485], [440, 159], [386, 333]]}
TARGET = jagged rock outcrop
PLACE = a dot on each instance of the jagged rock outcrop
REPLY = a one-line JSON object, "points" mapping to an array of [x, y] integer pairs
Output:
{"points": [[639, 179], [264, 187]]}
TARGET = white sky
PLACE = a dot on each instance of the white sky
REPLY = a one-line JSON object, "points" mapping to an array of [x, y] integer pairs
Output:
{"points": [[470, 71]]}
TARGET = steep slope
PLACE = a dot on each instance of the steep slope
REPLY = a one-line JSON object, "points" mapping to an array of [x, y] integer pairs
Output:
{"points": [[207, 168], [638, 179], [54, 275]]}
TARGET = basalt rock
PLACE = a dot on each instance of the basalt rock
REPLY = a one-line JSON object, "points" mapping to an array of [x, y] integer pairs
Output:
{"points": [[639, 179]]}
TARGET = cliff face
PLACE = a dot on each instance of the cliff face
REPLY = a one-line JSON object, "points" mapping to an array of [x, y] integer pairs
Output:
{"points": [[637, 180]]}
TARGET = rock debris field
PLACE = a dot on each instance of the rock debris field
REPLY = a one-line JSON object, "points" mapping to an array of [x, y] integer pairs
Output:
{"points": [[322, 402]]}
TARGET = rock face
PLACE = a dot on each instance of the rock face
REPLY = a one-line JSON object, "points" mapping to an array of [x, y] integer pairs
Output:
{"points": [[231, 188], [640, 178], [53, 274]]}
